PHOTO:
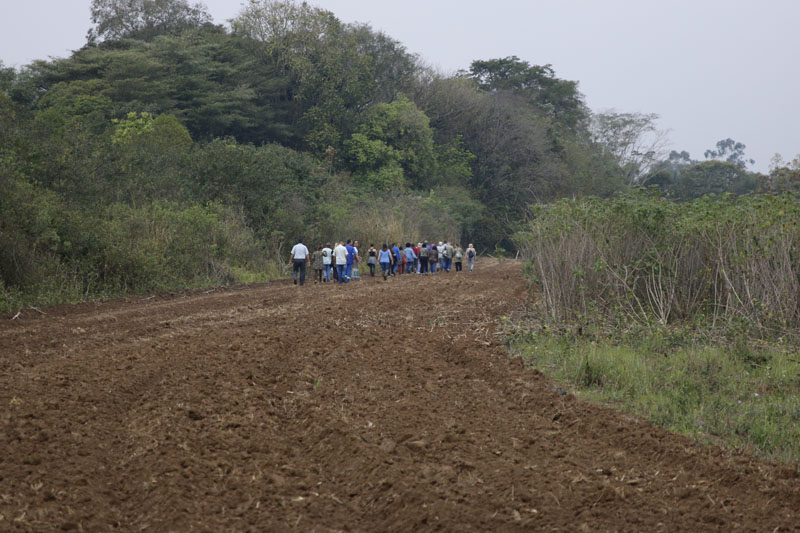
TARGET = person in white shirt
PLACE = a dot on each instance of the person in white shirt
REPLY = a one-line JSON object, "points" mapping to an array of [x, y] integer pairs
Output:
{"points": [[340, 253], [299, 259], [327, 253]]}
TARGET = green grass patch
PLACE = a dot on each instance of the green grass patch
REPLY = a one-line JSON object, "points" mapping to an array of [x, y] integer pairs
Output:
{"points": [[735, 395]]}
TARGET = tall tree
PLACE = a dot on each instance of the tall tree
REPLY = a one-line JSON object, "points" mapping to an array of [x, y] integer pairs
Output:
{"points": [[538, 83], [393, 68], [730, 151], [329, 81], [633, 139], [143, 19], [205, 77]]}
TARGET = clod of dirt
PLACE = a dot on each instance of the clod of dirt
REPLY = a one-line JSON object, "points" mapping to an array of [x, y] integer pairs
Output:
{"points": [[388, 445]]}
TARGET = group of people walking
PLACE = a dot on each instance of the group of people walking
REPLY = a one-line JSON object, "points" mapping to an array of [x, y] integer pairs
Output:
{"points": [[341, 263]]}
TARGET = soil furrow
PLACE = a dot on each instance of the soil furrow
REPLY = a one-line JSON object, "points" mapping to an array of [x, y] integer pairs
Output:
{"points": [[377, 406]]}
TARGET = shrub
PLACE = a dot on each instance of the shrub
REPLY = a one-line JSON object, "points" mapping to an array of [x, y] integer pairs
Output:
{"points": [[642, 259]]}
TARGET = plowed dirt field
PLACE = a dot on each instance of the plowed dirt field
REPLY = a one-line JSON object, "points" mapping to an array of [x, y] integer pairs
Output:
{"points": [[377, 406]]}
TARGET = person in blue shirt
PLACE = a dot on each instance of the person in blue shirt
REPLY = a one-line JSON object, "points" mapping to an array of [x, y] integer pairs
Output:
{"points": [[410, 258], [396, 256], [385, 259], [351, 255]]}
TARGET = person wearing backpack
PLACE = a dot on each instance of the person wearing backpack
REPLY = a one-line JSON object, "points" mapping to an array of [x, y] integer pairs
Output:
{"points": [[459, 258], [327, 254], [433, 258], [449, 252], [471, 253]]}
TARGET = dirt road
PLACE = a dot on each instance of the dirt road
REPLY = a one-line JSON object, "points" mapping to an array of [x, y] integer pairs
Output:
{"points": [[378, 406]]}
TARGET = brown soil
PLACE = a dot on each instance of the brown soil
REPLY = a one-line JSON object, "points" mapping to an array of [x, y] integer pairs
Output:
{"points": [[378, 406]]}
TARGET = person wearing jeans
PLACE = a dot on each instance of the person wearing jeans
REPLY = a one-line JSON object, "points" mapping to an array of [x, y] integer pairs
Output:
{"points": [[340, 253], [299, 258], [471, 253], [351, 258], [385, 258], [396, 257], [327, 253], [410, 258], [433, 258]]}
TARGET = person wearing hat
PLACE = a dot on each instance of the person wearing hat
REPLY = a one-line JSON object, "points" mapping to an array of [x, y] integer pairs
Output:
{"points": [[440, 248]]}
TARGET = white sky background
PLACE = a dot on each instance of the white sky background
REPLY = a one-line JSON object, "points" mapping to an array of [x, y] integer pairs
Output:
{"points": [[711, 69]]}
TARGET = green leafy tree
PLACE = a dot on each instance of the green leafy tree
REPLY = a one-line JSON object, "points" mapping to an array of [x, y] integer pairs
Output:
{"points": [[397, 136], [277, 188], [782, 177], [730, 151], [714, 177], [538, 83], [393, 70], [329, 80], [143, 19], [151, 153], [206, 78], [514, 162], [7, 77]]}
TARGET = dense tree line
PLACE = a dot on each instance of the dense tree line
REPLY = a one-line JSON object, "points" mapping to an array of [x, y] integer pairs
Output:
{"points": [[290, 122]]}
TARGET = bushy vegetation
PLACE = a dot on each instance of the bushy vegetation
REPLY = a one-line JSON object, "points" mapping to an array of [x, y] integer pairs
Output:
{"points": [[685, 313], [642, 259]]}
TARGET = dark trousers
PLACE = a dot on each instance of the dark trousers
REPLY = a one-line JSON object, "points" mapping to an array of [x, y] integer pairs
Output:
{"points": [[371, 269], [458, 266], [299, 266], [423, 265]]}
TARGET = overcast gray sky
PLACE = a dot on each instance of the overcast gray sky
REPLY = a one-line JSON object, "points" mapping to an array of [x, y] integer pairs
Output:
{"points": [[711, 69]]}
